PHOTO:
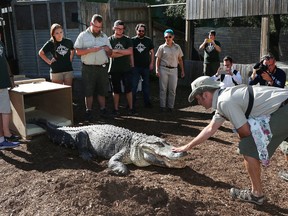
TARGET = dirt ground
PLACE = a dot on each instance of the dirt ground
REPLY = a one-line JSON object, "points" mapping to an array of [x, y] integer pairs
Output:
{"points": [[41, 178]]}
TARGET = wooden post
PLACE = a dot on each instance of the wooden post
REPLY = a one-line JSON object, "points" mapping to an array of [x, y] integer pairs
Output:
{"points": [[188, 44], [150, 23], [264, 45]]}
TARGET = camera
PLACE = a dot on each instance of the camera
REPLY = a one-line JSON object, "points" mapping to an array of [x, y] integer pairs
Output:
{"points": [[260, 68], [222, 70]]}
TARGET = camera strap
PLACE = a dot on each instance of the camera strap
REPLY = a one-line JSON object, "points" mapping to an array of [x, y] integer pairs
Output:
{"points": [[251, 101], [234, 72], [222, 76]]}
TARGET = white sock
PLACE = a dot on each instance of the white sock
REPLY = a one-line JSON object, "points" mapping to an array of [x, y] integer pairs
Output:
{"points": [[2, 139]]}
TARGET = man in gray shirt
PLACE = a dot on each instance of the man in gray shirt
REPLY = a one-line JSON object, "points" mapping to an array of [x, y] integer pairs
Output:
{"points": [[232, 104]]}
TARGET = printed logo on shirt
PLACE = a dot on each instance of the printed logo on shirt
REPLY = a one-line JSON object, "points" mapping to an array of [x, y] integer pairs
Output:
{"points": [[119, 46], [62, 50], [210, 47], [140, 47]]}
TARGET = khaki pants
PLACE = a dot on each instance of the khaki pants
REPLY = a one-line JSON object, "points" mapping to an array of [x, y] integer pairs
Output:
{"points": [[168, 83]]}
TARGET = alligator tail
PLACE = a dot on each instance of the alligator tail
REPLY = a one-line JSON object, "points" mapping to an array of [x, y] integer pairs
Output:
{"points": [[57, 136], [43, 123]]}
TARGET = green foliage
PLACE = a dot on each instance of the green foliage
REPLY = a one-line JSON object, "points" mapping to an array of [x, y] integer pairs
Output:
{"points": [[176, 11]]}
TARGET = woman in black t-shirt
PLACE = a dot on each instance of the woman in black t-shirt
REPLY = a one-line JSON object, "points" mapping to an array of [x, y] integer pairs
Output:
{"points": [[58, 52]]}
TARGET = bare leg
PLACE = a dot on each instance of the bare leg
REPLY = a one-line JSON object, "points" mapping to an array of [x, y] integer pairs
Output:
{"points": [[57, 81], [102, 101], [116, 100], [129, 98], [5, 124], [253, 168], [89, 102], [68, 81], [1, 126]]}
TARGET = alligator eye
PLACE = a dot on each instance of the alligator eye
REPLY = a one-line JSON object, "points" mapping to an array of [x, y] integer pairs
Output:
{"points": [[160, 144]]}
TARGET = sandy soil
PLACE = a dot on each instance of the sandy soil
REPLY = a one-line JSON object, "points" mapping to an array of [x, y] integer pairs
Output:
{"points": [[41, 178]]}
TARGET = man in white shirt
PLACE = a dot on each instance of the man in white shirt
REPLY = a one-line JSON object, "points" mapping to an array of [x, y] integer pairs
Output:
{"points": [[95, 49], [227, 74]]}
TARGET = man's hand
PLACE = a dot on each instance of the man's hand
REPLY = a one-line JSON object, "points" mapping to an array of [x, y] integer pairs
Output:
{"points": [[266, 76], [181, 148]]}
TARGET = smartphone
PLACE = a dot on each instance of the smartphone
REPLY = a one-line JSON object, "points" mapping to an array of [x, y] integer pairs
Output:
{"points": [[222, 70]]}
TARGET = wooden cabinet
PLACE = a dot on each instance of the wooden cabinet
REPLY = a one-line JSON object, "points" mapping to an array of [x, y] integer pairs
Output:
{"points": [[39, 99]]}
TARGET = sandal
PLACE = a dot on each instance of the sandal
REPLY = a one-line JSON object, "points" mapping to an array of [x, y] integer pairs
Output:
{"points": [[246, 196]]}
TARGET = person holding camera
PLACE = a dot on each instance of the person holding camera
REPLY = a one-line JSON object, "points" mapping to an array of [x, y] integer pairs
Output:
{"points": [[267, 73], [228, 75], [212, 49]]}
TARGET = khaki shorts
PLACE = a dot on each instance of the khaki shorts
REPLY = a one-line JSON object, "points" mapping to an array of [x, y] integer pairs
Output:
{"points": [[279, 128], [95, 80], [61, 76], [5, 101]]}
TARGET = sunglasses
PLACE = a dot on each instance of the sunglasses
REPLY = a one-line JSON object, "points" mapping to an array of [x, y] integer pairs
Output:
{"points": [[141, 30], [168, 37]]}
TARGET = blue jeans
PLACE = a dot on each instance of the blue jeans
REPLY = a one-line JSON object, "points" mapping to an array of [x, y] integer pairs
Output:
{"points": [[139, 72]]}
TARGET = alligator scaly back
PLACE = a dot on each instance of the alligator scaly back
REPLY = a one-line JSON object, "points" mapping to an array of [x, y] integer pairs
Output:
{"points": [[119, 145]]}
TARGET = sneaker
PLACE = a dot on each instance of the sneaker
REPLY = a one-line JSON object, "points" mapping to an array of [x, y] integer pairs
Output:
{"points": [[148, 105], [246, 196], [104, 113], [12, 138], [6, 144], [283, 174], [162, 109], [88, 116], [132, 112], [170, 109], [115, 113]]}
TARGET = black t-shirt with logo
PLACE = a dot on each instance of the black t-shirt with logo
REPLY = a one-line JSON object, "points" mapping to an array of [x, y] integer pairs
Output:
{"points": [[121, 63], [61, 52], [210, 53], [141, 51]]}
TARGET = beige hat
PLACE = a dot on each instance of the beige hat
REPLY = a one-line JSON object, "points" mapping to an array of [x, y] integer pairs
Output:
{"points": [[202, 84]]}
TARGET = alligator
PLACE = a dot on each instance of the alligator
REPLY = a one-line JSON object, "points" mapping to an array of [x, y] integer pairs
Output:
{"points": [[119, 145]]}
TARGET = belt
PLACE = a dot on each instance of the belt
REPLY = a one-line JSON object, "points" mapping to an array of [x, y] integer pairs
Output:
{"points": [[169, 67], [103, 65]]}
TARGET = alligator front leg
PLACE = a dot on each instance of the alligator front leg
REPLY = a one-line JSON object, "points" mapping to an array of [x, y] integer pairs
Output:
{"points": [[82, 144], [116, 165]]}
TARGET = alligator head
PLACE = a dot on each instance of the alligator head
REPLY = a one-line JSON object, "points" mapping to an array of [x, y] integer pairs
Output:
{"points": [[153, 150]]}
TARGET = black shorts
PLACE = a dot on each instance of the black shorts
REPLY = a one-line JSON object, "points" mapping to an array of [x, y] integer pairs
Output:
{"points": [[125, 77]]}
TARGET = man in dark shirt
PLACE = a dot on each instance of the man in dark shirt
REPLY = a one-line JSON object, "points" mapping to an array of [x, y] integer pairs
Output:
{"points": [[212, 49], [143, 53], [272, 76]]}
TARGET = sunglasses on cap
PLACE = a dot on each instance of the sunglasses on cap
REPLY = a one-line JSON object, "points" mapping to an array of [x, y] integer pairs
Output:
{"points": [[267, 57]]}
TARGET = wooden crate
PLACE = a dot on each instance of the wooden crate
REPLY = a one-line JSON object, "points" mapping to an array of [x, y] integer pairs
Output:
{"points": [[36, 98]]}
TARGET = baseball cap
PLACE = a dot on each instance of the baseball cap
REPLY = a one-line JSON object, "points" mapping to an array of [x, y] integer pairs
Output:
{"points": [[169, 31], [118, 22], [212, 32], [202, 84]]}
